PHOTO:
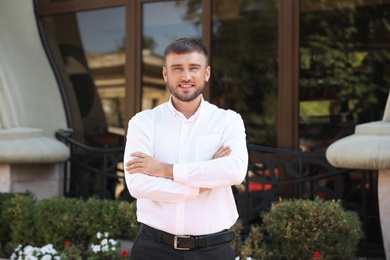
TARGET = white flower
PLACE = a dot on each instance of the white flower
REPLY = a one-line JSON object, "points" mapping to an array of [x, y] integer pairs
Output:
{"points": [[112, 242], [28, 250], [13, 256], [46, 252], [48, 249], [104, 242], [98, 235], [46, 257], [106, 234], [95, 248], [105, 248], [18, 247]]}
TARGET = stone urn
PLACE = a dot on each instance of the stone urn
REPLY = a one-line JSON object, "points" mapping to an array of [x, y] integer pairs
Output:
{"points": [[369, 148]]}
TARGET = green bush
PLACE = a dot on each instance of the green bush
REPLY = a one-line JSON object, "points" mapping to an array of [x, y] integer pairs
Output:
{"points": [[58, 219], [26, 221], [301, 228], [18, 212], [5, 229], [255, 246], [127, 220]]}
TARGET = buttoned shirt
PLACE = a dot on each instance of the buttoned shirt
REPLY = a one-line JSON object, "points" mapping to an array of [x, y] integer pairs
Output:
{"points": [[176, 206]]}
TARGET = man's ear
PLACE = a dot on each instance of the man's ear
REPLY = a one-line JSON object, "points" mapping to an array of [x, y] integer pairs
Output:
{"points": [[164, 73], [207, 74]]}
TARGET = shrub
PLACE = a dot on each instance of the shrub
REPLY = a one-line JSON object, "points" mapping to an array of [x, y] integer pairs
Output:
{"points": [[18, 212], [127, 220], [236, 243], [255, 246], [5, 230], [57, 220], [301, 229]]}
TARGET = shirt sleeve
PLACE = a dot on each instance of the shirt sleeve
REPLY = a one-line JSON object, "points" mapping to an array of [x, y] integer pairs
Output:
{"points": [[140, 138], [225, 171]]}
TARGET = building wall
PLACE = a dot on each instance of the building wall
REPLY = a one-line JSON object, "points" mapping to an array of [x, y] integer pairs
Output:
{"points": [[31, 107]]}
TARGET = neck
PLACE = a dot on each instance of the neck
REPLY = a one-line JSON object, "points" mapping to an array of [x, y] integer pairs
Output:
{"points": [[188, 109]]}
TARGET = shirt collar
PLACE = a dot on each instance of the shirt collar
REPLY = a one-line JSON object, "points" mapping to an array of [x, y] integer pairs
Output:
{"points": [[175, 112]]}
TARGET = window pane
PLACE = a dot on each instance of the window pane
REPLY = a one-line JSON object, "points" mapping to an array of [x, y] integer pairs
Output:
{"points": [[91, 49], [344, 68], [102, 35], [164, 22], [244, 64]]}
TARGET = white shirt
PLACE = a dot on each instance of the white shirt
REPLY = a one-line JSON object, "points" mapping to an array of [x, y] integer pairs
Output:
{"points": [[176, 206]]}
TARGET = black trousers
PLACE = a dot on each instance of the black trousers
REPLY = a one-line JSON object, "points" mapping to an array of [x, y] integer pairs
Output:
{"points": [[147, 248]]}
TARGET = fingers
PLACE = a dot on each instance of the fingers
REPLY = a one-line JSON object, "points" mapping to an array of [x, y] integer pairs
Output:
{"points": [[203, 189], [136, 164], [222, 152], [139, 154]]}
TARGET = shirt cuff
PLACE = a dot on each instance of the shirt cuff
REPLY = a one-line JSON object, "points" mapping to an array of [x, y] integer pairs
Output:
{"points": [[180, 173]]}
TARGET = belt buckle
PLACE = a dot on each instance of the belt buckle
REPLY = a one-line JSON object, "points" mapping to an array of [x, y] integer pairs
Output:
{"points": [[175, 242]]}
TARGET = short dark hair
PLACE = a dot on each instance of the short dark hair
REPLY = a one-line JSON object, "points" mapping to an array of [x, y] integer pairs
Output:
{"points": [[185, 45]]}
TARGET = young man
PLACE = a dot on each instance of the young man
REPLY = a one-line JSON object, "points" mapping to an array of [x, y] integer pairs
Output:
{"points": [[182, 158]]}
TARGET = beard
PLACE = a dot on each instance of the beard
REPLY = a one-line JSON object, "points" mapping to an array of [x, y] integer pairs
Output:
{"points": [[186, 96]]}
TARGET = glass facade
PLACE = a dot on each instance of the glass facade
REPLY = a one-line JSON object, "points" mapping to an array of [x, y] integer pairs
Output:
{"points": [[163, 22], [344, 68], [343, 62], [89, 47], [245, 64]]}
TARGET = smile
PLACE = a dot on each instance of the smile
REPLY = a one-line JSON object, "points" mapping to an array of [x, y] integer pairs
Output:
{"points": [[186, 85]]}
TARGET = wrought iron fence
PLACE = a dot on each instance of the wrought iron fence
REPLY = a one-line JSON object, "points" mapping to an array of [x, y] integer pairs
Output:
{"points": [[282, 173], [272, 174], [93, 171]]}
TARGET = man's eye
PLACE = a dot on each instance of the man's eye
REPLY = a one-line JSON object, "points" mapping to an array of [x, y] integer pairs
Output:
{"points": [[177, 69]]}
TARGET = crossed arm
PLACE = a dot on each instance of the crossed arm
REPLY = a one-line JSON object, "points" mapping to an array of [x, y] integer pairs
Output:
{"points": [[153, 167]]}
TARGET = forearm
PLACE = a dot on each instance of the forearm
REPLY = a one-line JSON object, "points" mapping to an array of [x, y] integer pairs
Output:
{"points": [[158, 189], [227, 171]]}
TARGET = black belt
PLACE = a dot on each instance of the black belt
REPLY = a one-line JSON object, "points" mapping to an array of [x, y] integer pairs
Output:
{"points": [[186, 242]]}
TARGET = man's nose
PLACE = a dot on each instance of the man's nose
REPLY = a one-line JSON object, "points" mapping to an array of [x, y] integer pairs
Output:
{"points": [[186, 75]]}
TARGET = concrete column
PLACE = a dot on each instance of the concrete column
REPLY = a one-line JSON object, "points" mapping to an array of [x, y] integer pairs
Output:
{"points": [[5, 178], [369, 148], [384, 207]]}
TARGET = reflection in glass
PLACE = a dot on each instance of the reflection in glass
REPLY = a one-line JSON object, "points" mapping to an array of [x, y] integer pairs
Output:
{"points": [[244, 64], [164, 22], [102, 36], [88, 49], [91, 47], [344, 68]]}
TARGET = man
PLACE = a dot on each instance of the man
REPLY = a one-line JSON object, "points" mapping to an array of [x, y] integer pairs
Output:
{"points": [[182, 158]]}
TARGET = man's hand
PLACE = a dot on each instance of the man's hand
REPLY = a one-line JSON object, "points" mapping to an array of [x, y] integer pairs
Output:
{"points": [[148, 165], [143, 163], [222, 152]]}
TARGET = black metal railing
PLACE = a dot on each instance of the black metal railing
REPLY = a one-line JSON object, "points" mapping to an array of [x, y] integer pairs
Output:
{"points": [[282, 173], [93, 171], [272, 173]]}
